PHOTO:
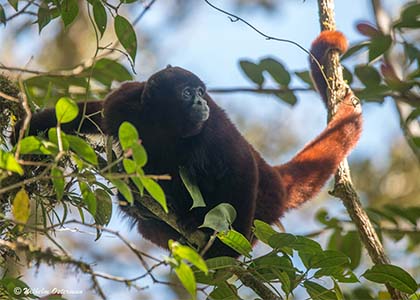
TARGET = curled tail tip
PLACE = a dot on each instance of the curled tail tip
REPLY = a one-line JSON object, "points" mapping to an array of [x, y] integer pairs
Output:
{"points": [[328, 40]]}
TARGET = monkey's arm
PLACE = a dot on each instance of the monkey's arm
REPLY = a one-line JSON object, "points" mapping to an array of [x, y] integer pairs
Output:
{"points": [[42, 121], [309, 170]]}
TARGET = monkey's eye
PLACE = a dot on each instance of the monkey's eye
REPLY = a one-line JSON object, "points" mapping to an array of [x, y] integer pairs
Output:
{"points": [[200, 91], [187, 94]]}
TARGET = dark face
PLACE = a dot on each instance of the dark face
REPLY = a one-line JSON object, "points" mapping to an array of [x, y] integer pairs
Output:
{"points": [[179, 97]]}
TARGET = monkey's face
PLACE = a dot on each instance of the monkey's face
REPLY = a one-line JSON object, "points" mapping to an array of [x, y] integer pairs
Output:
{"points": [[180, 97]]}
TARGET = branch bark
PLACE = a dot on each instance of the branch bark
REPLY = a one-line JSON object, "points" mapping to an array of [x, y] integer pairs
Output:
{"points": [[343, 187]]}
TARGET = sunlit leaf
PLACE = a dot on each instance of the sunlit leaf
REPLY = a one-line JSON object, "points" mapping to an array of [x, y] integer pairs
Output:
{"points": [[187, 253], [83, 149], [220, 218], [186, 276], [66, 110], [127, 135], [21, 206], [58, 182], [126, 35], [236, 241], [155, 191], [9, 163]]}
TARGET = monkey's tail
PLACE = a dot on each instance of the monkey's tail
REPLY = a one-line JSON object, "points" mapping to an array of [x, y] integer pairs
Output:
{"points": [[42, 121], [309, 170]]}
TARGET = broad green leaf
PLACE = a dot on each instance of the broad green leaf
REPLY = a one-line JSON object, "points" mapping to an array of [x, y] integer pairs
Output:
{"points": [[127, 135], [83, 149], [393, 275], [139, 154], [69, 11], [123, 189], [236, 241], [126, 35], [103, 208], [100, 16], [30, 145], [368, 75], [352, 247], [305, 76], [263, 231], [9, 163], [107, 71], [280, 240], [318, 292], [303, 244], [409, 16], [155, 191], [354, 49], [192, 187], [66, 110], [220, 218], [252, 71], [130, 167], [186, 276], [14, 4], [58, 182], [328, 258], [286, 285], [88, 197], [289, 97], [276, 70], [2, 15], [21, 206], [187, 253], [378, 46], [224, 291], [53, 137], [44, 15], [221, 262]]}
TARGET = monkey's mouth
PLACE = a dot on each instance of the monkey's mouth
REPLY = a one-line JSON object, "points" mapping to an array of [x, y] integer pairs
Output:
{"points": [[199, 113]]}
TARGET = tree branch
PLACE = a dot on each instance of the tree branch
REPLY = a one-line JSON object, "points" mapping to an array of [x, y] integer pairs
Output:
{"points": [[343, 187]]}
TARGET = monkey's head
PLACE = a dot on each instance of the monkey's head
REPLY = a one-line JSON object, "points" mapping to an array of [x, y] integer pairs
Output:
{"points": [[180, 97]]}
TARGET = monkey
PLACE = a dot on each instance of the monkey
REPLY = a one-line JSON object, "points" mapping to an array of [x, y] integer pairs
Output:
{"points": [[180, 125]]}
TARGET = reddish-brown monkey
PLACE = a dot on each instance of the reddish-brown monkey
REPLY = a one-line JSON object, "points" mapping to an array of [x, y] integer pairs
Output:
{"points": [[180, 125]]}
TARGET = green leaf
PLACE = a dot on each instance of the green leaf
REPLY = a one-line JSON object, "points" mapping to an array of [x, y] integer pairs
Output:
{"points": [[410, 16], [329, 258], [14, 4], [104, 207], [69, 11], [236, 241], [130, 167], [368, 75], [280, 240], [53, 137], [123, 189], [221, 262], [106, 71], [289, 97], [263, 231], [58, 182], [9, 163], [276, 70], [305, 245], [354, 49], [192, 187], [252, 71], [305, 76], [155, 191], [2, 15], [100, 16], [393, 275], [21, 206], [189, 254], [44, 15], [352, 247], [224, 291], [318, 292], [88, 197], [378, 46], [66, 110], [127, 135], [220, 218], [30, 145], [83, 149], [126, 35], [139, 154], [186, 276]]}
